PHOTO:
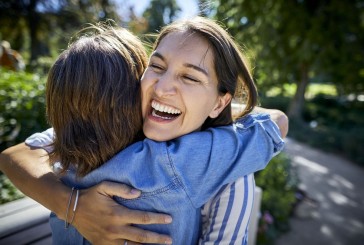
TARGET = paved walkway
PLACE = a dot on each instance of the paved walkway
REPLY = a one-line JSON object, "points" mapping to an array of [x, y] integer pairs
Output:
{"points": [[338, 187]]}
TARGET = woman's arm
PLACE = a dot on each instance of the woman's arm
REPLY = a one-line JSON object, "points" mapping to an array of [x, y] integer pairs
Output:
{"points": [[278, 117], [226, 216], [105, 221], [220, 226], [16, 163]]}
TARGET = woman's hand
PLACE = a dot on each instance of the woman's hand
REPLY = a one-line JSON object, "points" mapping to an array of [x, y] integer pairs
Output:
{"points": [[98, 217], [103, 221]]}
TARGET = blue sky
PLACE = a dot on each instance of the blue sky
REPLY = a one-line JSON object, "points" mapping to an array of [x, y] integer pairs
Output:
{"points": [[189, 7]]}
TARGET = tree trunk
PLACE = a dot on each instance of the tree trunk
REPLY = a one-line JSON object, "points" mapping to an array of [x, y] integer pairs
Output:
{"points": [[32, 25], [295, 110], [37, 47]]}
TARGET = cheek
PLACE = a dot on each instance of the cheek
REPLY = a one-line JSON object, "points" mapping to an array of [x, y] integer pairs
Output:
{"points": [[199, 106], [147, 79], [143, 84], [145, 97], [146, 85]]}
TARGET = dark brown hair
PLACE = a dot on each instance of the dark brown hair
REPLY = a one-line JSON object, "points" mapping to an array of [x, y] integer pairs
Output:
{"points": [[231, 67], [93, 97]]}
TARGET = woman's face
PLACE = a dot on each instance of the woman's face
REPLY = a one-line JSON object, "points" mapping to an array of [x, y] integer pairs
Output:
{"points": [[179, 87]]}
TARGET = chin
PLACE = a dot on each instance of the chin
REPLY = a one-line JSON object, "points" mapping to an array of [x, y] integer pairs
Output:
{"points": [[157, 137]]}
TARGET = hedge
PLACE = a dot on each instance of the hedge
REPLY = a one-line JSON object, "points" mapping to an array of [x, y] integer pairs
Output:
{"points": [[22, 106]]}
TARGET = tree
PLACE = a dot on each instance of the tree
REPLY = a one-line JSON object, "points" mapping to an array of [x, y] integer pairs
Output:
{"points": [[136, 24], [300, 42], [17, 15], [160, 13], [37, 20]]}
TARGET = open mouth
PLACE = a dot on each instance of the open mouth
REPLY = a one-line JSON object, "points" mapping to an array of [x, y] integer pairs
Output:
{"points": [[164, 112]]}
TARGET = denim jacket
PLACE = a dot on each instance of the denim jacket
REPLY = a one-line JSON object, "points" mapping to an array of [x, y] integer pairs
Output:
{"points": [[179, 176]]}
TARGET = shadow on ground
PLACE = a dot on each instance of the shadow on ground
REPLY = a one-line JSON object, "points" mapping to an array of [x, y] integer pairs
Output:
{"points": [[333, 213]]}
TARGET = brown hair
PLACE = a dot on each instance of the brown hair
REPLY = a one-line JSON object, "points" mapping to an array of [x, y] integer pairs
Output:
{"points": [[93, 98], [231, 67]]}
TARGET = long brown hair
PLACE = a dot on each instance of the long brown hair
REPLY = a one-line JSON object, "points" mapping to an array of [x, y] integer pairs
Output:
{"points": [[93, 97], [231, 67]]}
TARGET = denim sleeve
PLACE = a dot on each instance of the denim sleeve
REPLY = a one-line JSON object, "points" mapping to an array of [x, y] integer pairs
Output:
{"points": [[202, 161], [219, 156]]}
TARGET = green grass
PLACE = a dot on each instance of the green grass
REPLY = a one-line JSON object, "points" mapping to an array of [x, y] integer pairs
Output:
{"points": [[312, 91]]}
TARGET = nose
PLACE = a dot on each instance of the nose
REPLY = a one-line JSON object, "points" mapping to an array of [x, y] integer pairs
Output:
{"points": [[165, 86]]}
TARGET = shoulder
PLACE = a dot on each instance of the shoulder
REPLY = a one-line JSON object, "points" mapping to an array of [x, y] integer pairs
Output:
{"points": [[251, 120]]}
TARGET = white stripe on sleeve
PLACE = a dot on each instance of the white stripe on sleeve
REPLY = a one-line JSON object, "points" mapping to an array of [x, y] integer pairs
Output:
{"points": [[226, 216]]}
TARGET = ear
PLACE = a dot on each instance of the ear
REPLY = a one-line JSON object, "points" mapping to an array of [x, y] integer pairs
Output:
{"points": [[221, 103]]}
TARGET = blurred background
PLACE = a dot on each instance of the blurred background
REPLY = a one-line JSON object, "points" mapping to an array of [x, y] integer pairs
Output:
{"points": [[307, 58]]}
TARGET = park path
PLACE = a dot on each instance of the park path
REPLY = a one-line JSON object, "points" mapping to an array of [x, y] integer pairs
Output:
{"points": [[337, 186]]}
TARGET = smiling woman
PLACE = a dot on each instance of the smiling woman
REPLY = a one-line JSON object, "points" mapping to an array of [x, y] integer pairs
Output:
{"points": [[192, 74], [180, 78]]}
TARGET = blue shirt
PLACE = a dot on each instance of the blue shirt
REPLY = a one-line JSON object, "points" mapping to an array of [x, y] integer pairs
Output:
{"points": [[178, 177]]}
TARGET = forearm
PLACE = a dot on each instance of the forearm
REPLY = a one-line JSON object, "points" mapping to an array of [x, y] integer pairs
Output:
{"points": [[30, 172], [103, 221]]}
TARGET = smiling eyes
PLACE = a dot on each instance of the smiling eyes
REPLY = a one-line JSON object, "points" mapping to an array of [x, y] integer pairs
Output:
{"points": [[156, 67], [160, 69], [191, 79]]}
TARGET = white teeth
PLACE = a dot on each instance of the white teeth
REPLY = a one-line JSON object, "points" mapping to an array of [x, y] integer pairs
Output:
{"points": [[156, 115], [164, 108]]}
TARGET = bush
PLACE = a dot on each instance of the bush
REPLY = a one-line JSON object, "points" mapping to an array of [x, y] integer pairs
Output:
{"points": [[8, 191], [279, 183], [22, 106], [329, 123], [334, 125], [22, 112], [41, 66], [277, 102]]}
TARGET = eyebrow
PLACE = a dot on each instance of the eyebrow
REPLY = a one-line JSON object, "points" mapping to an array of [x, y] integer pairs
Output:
{"points": [[155, 53], [197, 68]]}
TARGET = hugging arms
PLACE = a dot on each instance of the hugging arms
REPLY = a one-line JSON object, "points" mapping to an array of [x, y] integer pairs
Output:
{"points": [[218, 150], [178, 93]]}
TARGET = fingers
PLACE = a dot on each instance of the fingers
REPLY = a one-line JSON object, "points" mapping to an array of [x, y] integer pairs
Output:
{"points": [[125, 242], [146, 218], [117, 189], [111, 222], [131, 243], [134, 235]]}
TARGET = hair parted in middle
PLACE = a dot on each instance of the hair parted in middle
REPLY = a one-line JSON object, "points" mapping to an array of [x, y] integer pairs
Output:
{"points": [[93, 97]]}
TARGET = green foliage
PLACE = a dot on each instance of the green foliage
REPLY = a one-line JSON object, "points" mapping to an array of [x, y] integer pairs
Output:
{"points": [[32, 25], [336, 112], [41, 65], [278, 102], [160, 13], [329, 123], [299, 41], [279, 183], [22, 106], [332, 124], [313, 90], [22, 112], [8, 191]]}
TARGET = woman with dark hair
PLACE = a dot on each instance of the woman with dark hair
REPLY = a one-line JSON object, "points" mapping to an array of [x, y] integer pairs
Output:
{"points": [[192, 75]]}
